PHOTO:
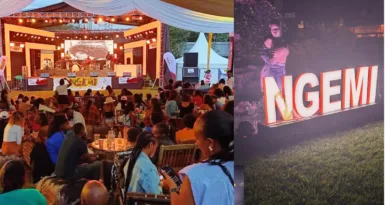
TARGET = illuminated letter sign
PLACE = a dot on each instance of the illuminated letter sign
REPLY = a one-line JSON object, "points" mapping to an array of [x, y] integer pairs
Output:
{"points": [[292, 104]]}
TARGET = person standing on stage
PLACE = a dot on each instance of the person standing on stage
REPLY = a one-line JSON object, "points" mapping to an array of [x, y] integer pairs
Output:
{"points": [[67, 60], [3, 82], [108, 60], [62, 91]]}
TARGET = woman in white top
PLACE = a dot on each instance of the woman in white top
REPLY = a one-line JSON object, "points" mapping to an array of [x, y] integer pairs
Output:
{"points": [[13, 134], [211, 181], [62, 91]]}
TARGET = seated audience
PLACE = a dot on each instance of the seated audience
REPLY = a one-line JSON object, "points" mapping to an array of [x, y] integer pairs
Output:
{"points": [[56, 135], [229, 107], [140, 174], [155, 118], [94, 193], [161, 133], [13, 134], [13, 177], [39, 157], [148, 100], [221, 83], [24, 106], [40, 104], [203, 182], [110, 92], [207, 105], [74, 117], [197, 98], [73, 151], [186, 134], [109, 111], [186, 106], [170, 85], [91, 115], [4, 115], [88, 93], [221, 98], [171, 107]]}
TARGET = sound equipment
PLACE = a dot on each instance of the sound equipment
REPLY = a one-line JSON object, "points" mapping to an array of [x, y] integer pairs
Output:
{"points": [[111, 74], [44, 75], [126, 74], [71, 75], [93, 74], [190, 60], [191, 74]]}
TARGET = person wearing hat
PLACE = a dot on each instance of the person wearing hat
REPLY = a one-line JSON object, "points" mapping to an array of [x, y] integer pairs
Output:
{"points": [[4, 115], [109, 111]]}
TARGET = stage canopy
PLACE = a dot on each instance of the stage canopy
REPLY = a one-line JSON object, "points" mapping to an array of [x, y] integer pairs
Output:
{"points": [[165, 12], [200, 47]]}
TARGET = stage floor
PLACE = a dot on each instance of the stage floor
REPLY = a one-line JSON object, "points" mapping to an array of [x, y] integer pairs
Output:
{"points": [[45, 94]]}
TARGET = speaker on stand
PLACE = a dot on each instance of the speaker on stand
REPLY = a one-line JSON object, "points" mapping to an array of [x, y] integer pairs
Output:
{"points": [[190, 68]]}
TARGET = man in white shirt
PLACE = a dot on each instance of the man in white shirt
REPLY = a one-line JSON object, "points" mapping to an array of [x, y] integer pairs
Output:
{"points": [[230, 81], [74, 117]]}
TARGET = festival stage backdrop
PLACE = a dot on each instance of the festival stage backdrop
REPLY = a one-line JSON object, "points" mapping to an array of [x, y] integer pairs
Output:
{"points": [[85, 83], [95, 49]]}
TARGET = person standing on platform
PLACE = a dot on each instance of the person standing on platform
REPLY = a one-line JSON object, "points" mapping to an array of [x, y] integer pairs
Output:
{"points": [[108, 61], [62, 91]]}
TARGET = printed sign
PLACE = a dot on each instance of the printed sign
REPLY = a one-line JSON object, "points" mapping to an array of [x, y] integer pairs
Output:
{"points": [[37, 81], [85, 83], [127, 80], [357, 89]]}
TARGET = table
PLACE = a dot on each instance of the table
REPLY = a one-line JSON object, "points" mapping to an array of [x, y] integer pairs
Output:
{"points": [[121, 145]]}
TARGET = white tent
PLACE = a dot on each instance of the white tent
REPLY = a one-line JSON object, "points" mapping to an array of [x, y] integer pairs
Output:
{"points": [[218, 64]]}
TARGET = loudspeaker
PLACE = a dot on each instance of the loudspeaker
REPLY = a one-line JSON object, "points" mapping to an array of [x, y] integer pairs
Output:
{"points": [[191, 74], [190, 60]]}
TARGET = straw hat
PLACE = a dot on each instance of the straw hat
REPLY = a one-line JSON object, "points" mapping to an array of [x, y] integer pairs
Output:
{"points": [[109, 100]]}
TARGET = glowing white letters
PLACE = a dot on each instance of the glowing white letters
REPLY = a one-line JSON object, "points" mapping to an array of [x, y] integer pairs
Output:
{"points": [[356, 89]]}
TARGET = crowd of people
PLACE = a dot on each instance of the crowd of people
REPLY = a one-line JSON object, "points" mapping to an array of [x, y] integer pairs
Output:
{"points": [[62, 129]]}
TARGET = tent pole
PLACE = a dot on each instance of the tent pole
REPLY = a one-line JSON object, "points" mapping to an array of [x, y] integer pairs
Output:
{"points": [[208, 50]]}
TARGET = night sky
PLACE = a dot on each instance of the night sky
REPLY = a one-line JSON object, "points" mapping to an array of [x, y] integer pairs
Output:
{"points": [[354, 12]]}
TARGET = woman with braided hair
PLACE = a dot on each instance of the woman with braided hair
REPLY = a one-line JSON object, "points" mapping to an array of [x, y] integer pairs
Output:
{"points": [[139, 172], [209, 182]]}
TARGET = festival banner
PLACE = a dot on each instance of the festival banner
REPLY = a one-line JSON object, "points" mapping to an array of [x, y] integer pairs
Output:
{"points": [[127, 80], [85, 83], [37, 81], [171, 63]]}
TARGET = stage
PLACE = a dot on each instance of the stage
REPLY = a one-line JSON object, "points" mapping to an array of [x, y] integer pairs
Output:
{"points": [[46, 94]]}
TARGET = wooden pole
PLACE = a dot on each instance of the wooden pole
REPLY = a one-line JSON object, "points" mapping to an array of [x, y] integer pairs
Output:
{"points": [[208, 50]]}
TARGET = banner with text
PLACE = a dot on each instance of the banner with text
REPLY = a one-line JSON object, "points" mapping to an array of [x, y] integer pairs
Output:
{"points": [[37, 81], [85, 83], [127, 80]]}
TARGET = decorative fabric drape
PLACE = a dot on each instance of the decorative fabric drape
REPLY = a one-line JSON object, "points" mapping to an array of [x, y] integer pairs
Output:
{"points": [[9, 7], [213, 7], [166, 13], [103, 7]]}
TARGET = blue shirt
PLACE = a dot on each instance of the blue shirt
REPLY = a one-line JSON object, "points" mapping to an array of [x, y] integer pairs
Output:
{"points": [[53, 145], [209, 184], [23, 197], [147, 129], [145, 178]]}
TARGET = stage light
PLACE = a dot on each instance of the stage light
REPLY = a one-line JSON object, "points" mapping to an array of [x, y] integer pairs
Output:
{"points": [[100, 19], [112, 19], [148, 42], [20, 20], [17, 34], [85, 37], [115, 55], [33, 20], [12, 44], [57, 37], [39, 37], [62, 55], [67, 37], [76, 37], [47, 39], [117, 35], [96, 37], [140, 18], [58, 48], [153, 39], [25, 34], [22, 45], [52, 39], [86, 20], [73, 20], [62, 45], [121, 47], [106, 36], [115, 45], [127, 19], [46, 21], [60, 21]]}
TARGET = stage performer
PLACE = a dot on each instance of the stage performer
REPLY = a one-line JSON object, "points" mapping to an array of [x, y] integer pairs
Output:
{"points": [[274, 54], [62, 91], [108, 60], [67, 60], [3, 82], [86, 63]]}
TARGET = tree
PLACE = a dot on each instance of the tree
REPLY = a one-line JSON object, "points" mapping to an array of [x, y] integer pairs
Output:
{"points": [[179, 38]]}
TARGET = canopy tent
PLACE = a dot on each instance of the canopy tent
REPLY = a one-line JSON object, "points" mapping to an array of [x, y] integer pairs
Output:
{"points": [[218, 64], [165, 12]]}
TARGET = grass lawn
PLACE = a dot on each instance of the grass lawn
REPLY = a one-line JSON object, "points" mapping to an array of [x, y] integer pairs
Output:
{"points": [[343, 168]]}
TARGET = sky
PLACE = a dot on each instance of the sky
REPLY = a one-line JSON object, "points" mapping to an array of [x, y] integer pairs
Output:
{"points": [[41, 3], [352, 11]]}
